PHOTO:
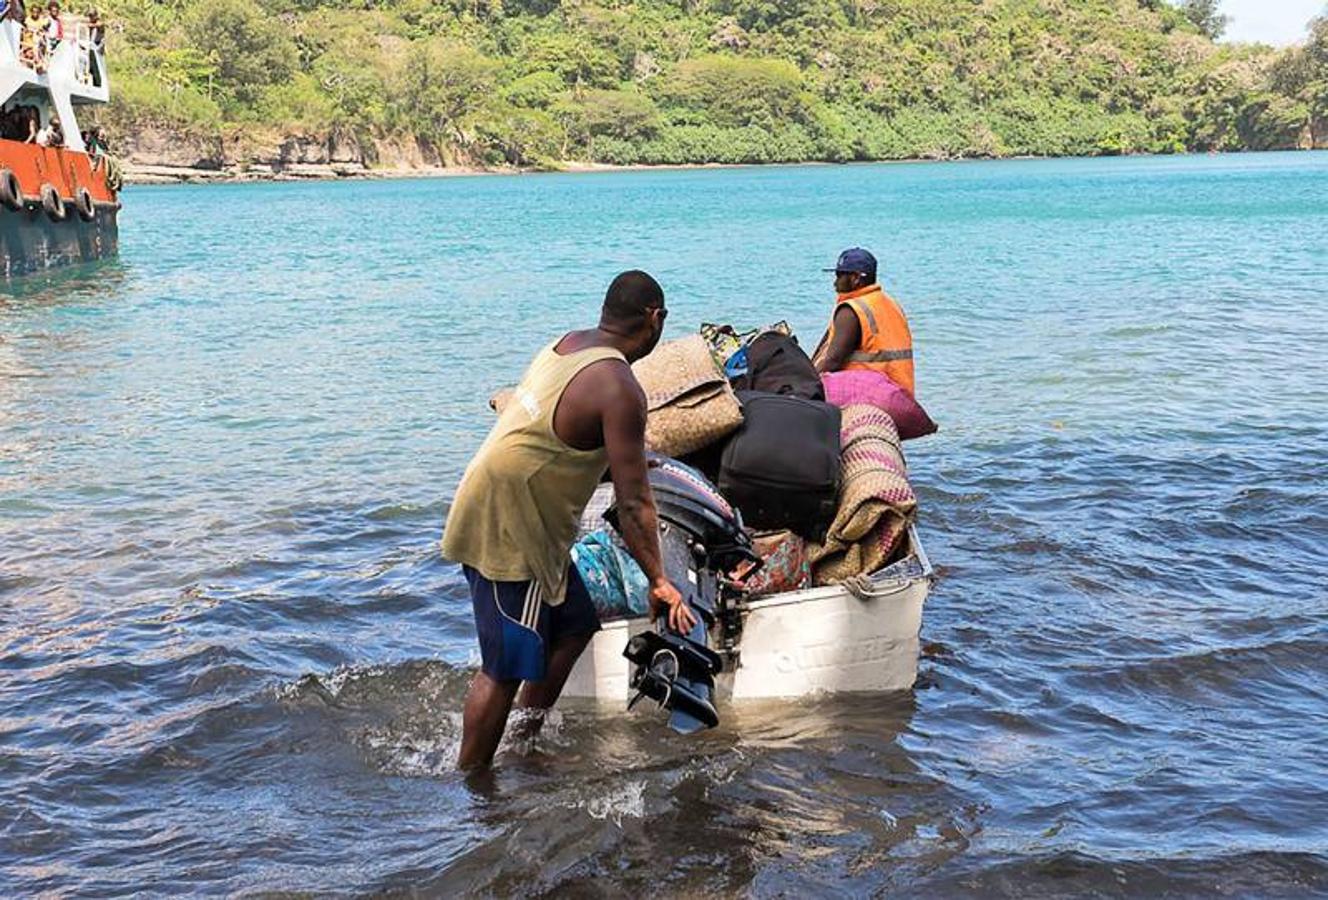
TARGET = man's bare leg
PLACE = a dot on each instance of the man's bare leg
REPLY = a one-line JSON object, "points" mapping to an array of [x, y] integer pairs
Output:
{"points": [[488, 703], [541, 695]]}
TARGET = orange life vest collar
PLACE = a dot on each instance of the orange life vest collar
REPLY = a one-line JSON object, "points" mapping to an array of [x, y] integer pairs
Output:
{"points": [[860, 292]]}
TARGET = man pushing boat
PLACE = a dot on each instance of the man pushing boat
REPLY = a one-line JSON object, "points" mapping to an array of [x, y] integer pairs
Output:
{"points": [[577, 412]]}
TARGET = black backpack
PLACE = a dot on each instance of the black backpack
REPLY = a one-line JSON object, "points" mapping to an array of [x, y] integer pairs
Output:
{"points": [[777, 365], [781, 468]]}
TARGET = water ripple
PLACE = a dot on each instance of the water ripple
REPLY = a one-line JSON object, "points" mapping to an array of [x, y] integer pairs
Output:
{"points": [[232, 662]]}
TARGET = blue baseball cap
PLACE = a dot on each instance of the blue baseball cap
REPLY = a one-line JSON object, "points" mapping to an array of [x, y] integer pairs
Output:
{"points": [[855, 259]]}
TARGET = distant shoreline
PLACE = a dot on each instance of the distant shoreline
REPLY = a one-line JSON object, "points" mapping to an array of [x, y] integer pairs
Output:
{"points": [[162, 174], [140, 174]]}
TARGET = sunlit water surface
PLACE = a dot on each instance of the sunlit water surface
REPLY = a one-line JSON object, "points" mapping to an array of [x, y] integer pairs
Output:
{"points": [[231, 659]]}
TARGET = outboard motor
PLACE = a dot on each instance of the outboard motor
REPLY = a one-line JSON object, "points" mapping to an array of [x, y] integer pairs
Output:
{"points": [[677, 673], [701, 540]]}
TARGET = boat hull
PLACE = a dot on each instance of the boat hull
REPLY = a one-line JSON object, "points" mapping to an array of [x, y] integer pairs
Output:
{"points": [[31, 242], [818, 641]]}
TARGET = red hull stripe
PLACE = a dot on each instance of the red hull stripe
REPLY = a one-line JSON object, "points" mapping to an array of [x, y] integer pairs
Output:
{"points": [[65, 170]]}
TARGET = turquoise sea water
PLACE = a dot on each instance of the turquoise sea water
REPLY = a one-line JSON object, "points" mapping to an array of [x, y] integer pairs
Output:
{"points": [[231, 660]]}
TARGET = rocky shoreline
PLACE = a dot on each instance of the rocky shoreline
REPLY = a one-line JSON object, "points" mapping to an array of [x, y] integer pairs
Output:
{"points": [[154, 155], [157, 173], [162, 156], [160, 173], [159, 156]]}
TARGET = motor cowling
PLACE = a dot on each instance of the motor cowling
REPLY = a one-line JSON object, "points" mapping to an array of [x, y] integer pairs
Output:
{"points": [[685, 499]]}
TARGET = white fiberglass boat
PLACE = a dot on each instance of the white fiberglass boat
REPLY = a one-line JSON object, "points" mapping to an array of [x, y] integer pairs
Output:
{"points": [[819, 640]]}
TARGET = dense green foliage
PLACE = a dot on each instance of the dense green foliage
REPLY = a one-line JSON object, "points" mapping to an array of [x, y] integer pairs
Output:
{"points": [[531, 82]]}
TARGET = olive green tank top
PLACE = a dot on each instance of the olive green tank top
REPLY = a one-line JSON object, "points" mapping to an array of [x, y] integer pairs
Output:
{"points": [[517, 508]]}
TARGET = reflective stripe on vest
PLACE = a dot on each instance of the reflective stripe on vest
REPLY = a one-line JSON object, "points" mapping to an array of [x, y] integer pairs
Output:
{"points": [[865, 309], [881, 356]]}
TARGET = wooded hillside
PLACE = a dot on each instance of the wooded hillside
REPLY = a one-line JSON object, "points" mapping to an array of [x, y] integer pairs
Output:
{"points": [[534, 82]]}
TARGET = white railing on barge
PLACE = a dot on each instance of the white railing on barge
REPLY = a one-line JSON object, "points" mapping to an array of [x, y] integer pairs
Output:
{"points": [[75, 72]]}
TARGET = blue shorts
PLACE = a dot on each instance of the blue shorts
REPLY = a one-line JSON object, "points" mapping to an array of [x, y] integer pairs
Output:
{"points": [[517, 628]]}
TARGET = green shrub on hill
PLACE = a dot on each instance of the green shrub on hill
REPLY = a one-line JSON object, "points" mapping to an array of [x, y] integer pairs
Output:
{"points": [[248, 49]]}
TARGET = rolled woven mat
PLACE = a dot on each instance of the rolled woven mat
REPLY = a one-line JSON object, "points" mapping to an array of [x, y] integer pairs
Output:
{"points": [[876, 502]]}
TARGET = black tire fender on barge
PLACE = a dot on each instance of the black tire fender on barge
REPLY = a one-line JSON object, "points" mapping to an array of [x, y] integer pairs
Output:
{"points": [[11, 192], [86, 206], [53, 203]]}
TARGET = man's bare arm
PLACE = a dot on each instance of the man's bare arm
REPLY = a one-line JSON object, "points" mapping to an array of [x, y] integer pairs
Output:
{"points": [[624, 418], [847, 336]]}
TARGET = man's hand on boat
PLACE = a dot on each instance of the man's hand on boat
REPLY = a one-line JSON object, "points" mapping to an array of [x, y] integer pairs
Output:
{"points": [[665, 600]]}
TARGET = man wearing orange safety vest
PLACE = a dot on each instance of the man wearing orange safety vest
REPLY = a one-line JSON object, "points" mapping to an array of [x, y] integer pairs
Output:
{"points": [[868, 330]]}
